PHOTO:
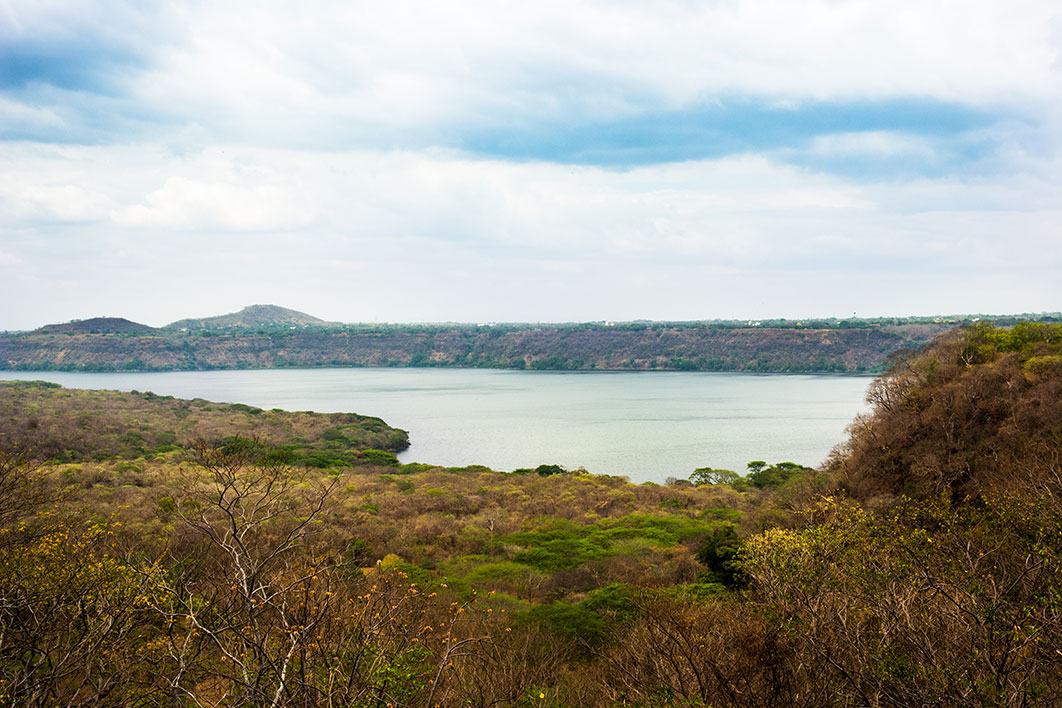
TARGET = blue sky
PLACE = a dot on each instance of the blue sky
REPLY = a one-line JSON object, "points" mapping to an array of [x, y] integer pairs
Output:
{"points": [[495, 161]]}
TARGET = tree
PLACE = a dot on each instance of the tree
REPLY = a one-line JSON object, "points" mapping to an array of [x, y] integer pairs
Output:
{"points": [[931, 604], [774, 476], [246, 615], [75, 622], [719, 553], [704, 652], [708, 475]]}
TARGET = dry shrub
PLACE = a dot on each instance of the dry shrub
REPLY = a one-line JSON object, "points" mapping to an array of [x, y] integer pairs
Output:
{"points": [[683, 652]]}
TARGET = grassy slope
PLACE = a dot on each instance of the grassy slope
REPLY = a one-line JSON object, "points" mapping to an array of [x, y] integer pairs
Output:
{"points": [[76, 425]]}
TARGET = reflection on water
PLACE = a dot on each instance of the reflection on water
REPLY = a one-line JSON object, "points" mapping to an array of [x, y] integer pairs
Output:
{"points": [[646, 425]]}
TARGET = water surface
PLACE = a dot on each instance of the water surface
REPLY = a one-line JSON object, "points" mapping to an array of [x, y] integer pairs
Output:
{"points": [[645, 425]]}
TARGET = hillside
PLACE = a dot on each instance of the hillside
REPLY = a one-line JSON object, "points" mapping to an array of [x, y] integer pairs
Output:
{"points": [[981, 411], [921, 567], [76, 425], [266, 336], [252, 316], [694, 346], [97, 325]]}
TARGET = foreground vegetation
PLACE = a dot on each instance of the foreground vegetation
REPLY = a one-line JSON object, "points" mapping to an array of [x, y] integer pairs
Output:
{"points": [[921, 566]]}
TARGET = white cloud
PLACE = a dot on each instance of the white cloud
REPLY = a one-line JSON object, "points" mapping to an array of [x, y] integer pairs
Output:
{"points": [[183, 203], [18, 116], [880, 144], [278, 153], [394, 208], [362, 74], [55, 202]]}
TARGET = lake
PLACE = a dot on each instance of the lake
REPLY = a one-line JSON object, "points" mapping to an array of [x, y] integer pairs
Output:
{"points": [[645, 425]]}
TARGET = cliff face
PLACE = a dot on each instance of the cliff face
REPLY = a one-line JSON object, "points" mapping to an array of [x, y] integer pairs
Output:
{"points": [[663, 346]]}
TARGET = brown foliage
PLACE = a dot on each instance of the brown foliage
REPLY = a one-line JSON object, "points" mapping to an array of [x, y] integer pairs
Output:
{"points": [[72, 424], [962, 417], [683, 652], [930, 605]]}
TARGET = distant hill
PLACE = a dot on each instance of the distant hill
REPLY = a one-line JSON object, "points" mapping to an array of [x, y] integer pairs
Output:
{"points": [[250, 316], [96, 325], [266, 336]]}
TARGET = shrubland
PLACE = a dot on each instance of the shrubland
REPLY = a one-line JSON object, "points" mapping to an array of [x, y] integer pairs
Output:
{"points": [[778, 346], [77, 425], [921, 566]]}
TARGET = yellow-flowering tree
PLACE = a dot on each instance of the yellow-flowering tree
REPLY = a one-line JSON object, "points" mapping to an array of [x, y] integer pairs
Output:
{"points": [[931, 604]]}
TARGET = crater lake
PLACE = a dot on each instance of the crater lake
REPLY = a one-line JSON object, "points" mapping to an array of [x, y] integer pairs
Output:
{"points": [[647, 426]]}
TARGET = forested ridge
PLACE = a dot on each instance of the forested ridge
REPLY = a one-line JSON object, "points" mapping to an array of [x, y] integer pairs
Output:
{"points": [[102, 345], [298, 564]]}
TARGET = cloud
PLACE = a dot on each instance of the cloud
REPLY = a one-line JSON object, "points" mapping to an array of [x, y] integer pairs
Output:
{"points": [[393, 208], [590, 82], [502, 160], [735, 125], [61, 203], [872, 143], [20, 118], [92, 48], [183, 203], [8, 260]]}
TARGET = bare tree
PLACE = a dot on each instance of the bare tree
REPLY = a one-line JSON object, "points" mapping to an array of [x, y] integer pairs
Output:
{"points": [[243, 617]]}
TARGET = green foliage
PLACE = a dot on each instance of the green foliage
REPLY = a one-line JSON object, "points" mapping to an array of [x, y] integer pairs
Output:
{"points": [[322, 461], [399, 678], [720, 553], [592, 621], [561, 545], [984, 340], [413, 467], [380, 458], [722, 514], [99, 425], [167, 507], [774, 476], [708, 475], [1047, 366]]}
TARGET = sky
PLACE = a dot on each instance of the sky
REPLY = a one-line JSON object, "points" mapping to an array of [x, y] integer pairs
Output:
{"points": [[529, 162]]}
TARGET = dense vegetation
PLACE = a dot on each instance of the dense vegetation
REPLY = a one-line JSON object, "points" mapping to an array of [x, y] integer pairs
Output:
{"points": [[921, 566], [978, 411], [641, 346], [266, 336], [73, 425]]}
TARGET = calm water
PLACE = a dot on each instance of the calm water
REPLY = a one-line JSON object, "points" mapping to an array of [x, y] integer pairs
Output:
{"points": [[646, 425]]}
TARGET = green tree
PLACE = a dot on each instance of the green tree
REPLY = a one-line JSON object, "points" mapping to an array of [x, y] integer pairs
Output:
{"points": [[773, 476], [708, 475], [719, 552]]}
